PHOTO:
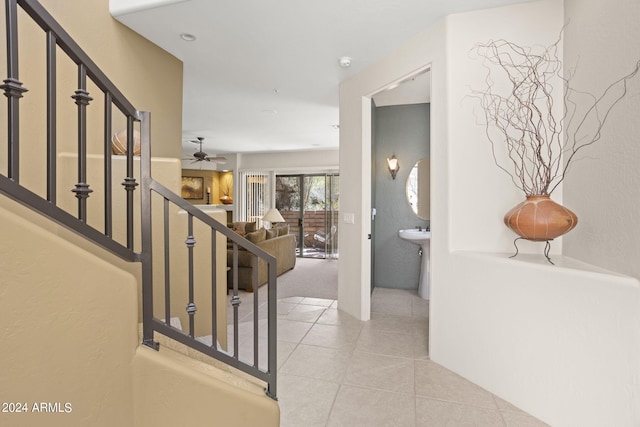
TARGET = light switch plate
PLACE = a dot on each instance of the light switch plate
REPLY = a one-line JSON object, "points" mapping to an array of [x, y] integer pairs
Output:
{"points": [[349, 218]]}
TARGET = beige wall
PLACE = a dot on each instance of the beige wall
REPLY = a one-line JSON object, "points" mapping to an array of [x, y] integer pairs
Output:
{"points": [[70, 339], [68, 327], [602, 43], [234, 404]]}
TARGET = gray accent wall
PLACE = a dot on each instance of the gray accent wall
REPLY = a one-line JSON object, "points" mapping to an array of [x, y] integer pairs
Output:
{"points": [[402, 130]]}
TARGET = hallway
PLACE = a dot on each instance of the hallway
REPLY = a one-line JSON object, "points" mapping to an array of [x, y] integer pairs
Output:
{"points": [[338, 371], [334, 370]]}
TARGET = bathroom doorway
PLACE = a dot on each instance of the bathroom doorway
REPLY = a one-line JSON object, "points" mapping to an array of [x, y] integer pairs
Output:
{"points": [[400, 129]]}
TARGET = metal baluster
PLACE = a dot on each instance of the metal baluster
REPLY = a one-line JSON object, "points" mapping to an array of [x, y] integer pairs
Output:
{"points": [[130, 183], [82, 99], [214, 297], [235, 300], [146, 231], [13, 90], [108, 170], [272, 328], [256, 285], [167, 265], [191, 307], [51, 117]]}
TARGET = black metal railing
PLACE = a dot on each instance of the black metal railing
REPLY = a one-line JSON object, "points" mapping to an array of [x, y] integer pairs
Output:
{"points": [[10, 185], [211, 231]]}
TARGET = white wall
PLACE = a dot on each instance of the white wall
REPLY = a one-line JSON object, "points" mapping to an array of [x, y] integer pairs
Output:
{"points": [[560, 342], [355, 157], [603, 188], [481, 192], [294, 161]]}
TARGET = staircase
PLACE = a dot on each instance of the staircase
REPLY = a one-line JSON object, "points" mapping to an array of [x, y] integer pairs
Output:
{"points": [[151, 212]]}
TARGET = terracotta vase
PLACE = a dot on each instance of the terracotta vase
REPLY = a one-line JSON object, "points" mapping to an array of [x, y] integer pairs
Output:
{"points": [[226, 200], [539, 218]]}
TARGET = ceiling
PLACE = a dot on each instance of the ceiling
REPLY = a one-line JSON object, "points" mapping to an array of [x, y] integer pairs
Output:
{"points": [[263, 75]]}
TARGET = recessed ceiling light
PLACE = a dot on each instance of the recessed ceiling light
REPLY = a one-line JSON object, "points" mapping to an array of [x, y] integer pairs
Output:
{"points": [[187, 37]]}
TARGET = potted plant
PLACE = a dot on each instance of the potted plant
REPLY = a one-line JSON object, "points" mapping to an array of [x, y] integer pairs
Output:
{"points": [[524, 86]]}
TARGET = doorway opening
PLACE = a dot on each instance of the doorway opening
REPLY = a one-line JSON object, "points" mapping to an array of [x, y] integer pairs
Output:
{"points": [[400, 128], [310, 205]]}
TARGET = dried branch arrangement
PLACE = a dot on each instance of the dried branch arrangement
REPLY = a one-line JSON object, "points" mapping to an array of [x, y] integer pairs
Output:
{"points": [[541, 139]]}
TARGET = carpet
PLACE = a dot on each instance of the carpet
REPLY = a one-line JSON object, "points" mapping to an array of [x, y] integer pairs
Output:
{"points": [[311, 277]]}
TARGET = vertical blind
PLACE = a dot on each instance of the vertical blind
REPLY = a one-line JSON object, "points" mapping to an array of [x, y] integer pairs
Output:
{"points": [[256, 195]]}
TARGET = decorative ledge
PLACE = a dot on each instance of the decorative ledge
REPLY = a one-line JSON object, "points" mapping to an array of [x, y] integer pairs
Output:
{"points": [[562, 263]]}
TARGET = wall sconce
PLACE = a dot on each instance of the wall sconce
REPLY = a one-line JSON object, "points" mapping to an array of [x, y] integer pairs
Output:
{"points": [[394, 166]]}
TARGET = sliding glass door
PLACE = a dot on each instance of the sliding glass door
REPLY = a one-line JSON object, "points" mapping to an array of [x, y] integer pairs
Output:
{"points": [[310, 205]]}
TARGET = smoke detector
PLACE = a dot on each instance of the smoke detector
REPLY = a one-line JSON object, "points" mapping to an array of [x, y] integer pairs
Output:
{"points": [[344, 61]]}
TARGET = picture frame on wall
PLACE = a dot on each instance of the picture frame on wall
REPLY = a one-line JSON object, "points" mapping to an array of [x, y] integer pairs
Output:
{"points": [[192, 187]]}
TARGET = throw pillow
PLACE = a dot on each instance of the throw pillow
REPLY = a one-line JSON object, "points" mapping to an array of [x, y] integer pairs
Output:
{"points": [[257, 236], [250, 227], [272, 233], [283, 230], [238, 226]]}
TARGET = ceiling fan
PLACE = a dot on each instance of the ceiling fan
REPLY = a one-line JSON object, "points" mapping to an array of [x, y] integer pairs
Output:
{"points": [[200, 155]]}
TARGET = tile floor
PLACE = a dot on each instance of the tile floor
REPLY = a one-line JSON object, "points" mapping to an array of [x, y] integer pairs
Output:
{"points": [[337, 371]]}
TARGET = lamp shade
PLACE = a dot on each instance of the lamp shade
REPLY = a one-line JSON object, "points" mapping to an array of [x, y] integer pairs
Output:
{"points": [[272, 216]]}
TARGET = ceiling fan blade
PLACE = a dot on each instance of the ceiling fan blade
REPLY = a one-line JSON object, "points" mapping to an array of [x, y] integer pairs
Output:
{"points": [[219, 159]]}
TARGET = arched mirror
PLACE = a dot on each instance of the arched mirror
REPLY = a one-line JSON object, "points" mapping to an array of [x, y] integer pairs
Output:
{"points": [[418, 194]]}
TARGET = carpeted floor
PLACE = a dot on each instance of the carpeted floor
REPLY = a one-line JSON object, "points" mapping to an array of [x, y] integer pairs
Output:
{"points": [[311, 277]]}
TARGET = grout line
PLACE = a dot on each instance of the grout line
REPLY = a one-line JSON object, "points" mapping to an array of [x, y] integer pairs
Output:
{"points": [[379, 389], [335, 398], [504, 422], [458, 403], [386, 355]]}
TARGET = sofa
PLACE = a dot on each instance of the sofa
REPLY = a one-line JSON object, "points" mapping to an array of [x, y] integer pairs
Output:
{"points": [[277, 242]]}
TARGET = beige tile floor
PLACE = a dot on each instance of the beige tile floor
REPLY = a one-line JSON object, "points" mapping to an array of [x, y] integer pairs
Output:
{"points": [[337, 371]]}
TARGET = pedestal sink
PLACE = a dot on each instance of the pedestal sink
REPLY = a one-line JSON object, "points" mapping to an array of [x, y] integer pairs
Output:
{"points": [[421, 238]]}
